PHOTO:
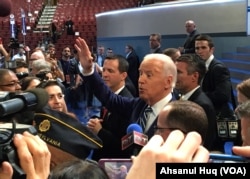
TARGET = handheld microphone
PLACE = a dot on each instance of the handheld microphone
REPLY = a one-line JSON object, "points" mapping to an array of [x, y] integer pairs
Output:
{"points": [[32, 99], [134, 140]]}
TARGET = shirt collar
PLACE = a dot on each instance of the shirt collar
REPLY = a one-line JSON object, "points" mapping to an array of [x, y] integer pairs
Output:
{"points": [[119, 90], [157, 107], [209, 60], [187, 95]]}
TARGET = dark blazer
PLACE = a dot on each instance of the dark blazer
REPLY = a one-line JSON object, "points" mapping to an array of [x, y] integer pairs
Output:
{"points": [[199, 97], [189, 45], [133, 71], [130, 108], [217, 86], [113, 129], [158, 50]]}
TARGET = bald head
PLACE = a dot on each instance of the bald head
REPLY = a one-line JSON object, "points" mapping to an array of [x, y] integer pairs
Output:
{"points": [[37, 55], [190, 26]]}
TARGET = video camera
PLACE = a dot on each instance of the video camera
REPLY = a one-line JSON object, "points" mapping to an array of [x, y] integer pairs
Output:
{"points": [[42, 75], [14, 44], [7, 149], [12, 103]]}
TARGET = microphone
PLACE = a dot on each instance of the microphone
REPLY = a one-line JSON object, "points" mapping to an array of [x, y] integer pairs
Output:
{"points": [[134, 140], [5, 8], [32, 99]]}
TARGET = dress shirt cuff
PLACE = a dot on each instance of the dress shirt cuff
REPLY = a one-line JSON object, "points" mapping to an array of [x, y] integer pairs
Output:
{"points": [[89, 73]]}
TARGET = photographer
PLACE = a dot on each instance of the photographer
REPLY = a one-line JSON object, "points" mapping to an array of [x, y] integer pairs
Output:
{"points": [[34, 157]]}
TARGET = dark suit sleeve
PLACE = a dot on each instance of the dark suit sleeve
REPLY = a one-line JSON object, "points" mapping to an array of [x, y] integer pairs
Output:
{"points": [[222, 84], [113, 102]]}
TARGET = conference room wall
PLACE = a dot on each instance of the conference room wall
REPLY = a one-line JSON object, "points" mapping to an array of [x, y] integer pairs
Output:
{"points": [[226, 22]]}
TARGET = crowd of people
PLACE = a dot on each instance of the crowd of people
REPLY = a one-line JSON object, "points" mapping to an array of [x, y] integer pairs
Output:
{"points": [[176, 95]]}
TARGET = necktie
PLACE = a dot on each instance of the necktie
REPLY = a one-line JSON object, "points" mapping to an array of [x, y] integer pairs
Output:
{"points": [[145, 117]]}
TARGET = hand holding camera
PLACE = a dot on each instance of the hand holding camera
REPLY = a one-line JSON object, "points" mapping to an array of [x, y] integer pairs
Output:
{"points": [[20, 149]]}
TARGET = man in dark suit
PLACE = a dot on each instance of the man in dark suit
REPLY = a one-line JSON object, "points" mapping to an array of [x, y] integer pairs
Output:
{"points": [[189, 45], [157, 79], [155, 43], [100, 57], [217, 81], [190, 71], [134, 64], [111, 126]]}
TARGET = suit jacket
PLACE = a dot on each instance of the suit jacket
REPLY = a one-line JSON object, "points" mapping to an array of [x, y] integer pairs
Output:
{"points": [[130, 108], [217, 86], [199, 97], [113, 129], [158, 50], [189, 44], [133, 71]]}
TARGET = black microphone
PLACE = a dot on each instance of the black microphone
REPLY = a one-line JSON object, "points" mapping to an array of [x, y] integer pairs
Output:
{"points": [[32, 100], [134, 140]]}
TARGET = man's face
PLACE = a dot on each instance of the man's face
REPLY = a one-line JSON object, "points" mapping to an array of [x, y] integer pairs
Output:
{"points": [[241, 98], [189, 27], [203, 50], [58, 156], [153, 42], [184, 80], [176, 56], [245, 130], [66, 52], [153, 82], [56, 98], [100, 50], [111, 75], [10, 83]]}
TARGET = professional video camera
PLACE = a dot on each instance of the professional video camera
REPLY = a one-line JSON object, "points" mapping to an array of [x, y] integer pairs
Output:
{"points": [[14, 44], [22, 75], [10, 104], [7, 149], [42, 75]]}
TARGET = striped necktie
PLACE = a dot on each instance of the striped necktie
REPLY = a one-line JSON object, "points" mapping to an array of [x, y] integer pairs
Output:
{"points": [[145, 117]]}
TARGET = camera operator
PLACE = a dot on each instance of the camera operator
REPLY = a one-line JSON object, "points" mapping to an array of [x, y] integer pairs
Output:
{"points": [[34, 157], [20, 54]]}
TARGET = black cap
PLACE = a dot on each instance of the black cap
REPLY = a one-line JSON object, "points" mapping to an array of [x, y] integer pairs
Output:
{"points": [[66, 133]]}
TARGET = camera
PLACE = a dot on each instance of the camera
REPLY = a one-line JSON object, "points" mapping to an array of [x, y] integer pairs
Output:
{"points": [[7, 149], [42, 75], [14, 44], [22, 75]]}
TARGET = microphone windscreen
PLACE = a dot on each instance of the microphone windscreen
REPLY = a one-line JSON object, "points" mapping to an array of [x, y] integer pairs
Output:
{"points": [[41, 96], [5, 7], [134, 127]]}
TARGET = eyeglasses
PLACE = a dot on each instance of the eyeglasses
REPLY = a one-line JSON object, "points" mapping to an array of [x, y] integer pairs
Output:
{"points": [[161, 129], [14, 83]]}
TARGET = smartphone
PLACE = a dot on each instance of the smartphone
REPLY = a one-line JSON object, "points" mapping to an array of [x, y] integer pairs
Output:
{"points": [[225, 158], [116, 168]]}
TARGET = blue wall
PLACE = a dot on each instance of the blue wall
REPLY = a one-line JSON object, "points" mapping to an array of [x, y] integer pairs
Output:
{"points": [[223, 43]]}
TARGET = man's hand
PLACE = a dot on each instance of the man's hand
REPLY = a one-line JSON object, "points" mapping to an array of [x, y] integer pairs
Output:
{"points": [[178, 147], [34, 157], [94, 124], [84, 54]]}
